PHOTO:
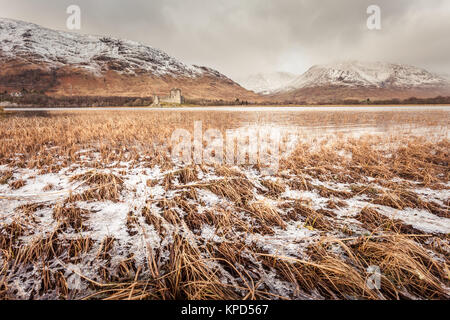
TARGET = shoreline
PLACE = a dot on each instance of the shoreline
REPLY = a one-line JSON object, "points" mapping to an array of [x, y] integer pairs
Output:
{"points": [[247, 108]]}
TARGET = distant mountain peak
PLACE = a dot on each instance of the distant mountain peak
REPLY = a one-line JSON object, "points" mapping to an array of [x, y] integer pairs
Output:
{"points": [[266, 83], [360, 74]]}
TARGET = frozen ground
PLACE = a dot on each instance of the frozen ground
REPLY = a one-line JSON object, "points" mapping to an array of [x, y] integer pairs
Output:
{"points": [[130, 211]]}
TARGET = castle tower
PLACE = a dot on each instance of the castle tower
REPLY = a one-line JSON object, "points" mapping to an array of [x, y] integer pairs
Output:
{"points": [[175, 96], [155, 101]]}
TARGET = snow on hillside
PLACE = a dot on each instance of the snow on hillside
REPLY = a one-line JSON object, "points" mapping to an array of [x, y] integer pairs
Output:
{"points": [[96, 54], [366, 74], [266, 83]]}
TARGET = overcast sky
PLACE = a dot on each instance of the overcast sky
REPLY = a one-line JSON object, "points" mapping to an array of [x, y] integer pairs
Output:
{"points": [[240, 37]]}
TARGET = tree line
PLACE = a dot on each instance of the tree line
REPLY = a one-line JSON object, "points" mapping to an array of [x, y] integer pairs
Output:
{"points": [[39, 99], [34, 99]]}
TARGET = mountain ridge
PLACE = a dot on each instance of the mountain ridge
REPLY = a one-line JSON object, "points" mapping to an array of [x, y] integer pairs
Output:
{"points": [[66, 63], [363, 80], [367, 74]]}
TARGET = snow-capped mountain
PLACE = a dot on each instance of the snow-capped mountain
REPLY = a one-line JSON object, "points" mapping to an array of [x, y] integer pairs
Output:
{"points": [[31, 55], [93, 53], [366, 74], [266, 83], [358, 80]]}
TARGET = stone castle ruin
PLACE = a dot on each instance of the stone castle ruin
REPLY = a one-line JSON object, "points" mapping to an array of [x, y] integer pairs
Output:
{"points": [[174, 97]]}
